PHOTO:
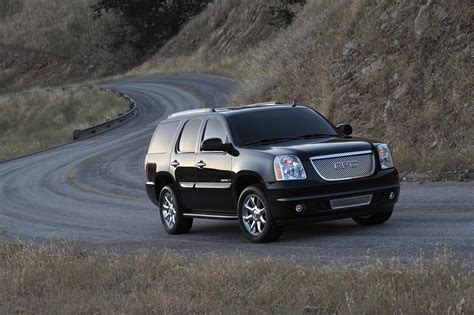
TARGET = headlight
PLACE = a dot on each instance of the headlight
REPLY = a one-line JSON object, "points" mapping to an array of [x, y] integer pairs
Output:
{"points": [[384, 156], [288, 167]]}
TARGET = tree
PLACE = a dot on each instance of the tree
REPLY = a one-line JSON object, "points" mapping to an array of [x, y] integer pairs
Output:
{"points": [[283, 13], [149, 22]]}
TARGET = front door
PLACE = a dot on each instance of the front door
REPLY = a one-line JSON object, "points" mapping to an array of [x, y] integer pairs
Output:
{"points": [[214, 172]]}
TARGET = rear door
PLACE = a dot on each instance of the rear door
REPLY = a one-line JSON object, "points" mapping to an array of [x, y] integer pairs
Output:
{"points": [[183, 161], [213, 180]]}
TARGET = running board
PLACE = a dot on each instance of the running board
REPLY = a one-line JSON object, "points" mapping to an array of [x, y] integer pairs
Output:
{"points": [[211, 216]]}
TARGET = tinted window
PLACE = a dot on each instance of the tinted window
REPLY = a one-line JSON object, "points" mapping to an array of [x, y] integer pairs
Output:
{"points": [[214, 129], [189, 136], [254, 125], [163, 137]]}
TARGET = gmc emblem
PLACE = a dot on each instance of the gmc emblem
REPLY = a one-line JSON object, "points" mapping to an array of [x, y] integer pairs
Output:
{"points": [[346, 165]]}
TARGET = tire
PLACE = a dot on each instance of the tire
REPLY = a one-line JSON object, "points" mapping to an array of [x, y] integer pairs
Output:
{"points": [[171, 213], [255, 218], [375, 219]]}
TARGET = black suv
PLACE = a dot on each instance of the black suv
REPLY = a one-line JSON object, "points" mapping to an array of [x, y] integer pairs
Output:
{"points": [[266, 165]]}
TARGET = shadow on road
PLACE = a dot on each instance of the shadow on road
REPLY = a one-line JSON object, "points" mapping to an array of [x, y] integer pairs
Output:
{"points": [[230, 231]]}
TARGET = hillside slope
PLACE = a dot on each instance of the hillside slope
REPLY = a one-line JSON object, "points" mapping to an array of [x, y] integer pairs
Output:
{"points": [[396, 70], [51, 42]]}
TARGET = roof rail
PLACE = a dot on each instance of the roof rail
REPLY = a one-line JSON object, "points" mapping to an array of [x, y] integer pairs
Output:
{"points": [[254, 105], [192, 111], [263, 104]]}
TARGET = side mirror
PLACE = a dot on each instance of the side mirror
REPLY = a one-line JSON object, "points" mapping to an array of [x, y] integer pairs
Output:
{"points": [[345, 129], [214, 144]]}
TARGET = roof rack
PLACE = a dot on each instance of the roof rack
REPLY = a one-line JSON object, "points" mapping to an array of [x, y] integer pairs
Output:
{"points": [[223, 109], [192, 111], [255, 105], [263, 104]]}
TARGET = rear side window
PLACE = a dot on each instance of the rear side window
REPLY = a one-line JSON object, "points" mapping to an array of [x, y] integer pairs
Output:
{"points": [[163, 137], [189, 136], [214, 129]]}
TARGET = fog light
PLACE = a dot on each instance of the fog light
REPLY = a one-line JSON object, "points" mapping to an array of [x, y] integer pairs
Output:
{"points": [[392, 195], [299, 208]]}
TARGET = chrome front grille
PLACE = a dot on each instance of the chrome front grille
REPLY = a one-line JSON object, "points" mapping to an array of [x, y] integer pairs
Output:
{"points": [[350, 202], [344, 166]]}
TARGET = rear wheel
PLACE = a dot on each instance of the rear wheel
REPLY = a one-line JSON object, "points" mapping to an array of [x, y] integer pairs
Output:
{"points": [[255, 218], [375, 219], [171, 213]]}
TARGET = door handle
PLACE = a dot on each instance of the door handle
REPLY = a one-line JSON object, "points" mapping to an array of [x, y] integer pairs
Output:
{"points": [[175, 163], [200, 164]]}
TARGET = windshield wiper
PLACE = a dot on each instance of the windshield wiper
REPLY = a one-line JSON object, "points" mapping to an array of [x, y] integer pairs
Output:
{"points": [[272, 140], [316, 135], [275, 140]]}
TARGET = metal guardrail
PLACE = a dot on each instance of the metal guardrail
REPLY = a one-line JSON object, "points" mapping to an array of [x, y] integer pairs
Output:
{"points": [[93, 130], [86, 132]]}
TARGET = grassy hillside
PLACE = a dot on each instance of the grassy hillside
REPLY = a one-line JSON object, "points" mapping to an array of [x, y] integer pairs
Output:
{"points": [[398, 71], [55, 280], [38, 120], [45, 42]]}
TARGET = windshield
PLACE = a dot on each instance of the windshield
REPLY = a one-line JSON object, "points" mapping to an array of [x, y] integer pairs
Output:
{"points": [[253, 127]]}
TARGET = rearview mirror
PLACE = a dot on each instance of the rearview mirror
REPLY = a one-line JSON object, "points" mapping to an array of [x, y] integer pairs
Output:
{"points": [[214, 144], [345, 129]]}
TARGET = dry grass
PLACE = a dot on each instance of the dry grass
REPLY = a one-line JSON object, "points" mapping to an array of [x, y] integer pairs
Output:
{"points": [[215, 43], [53, 280], [355, 61], [38, 120], [45, 42]]}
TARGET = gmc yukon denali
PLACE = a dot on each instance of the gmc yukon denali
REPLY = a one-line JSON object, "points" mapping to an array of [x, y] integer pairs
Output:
{"points": [[267, 166]]}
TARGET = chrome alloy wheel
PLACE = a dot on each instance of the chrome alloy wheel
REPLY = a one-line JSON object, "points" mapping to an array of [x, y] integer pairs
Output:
{"points": [[254, 214], [168, 210]]}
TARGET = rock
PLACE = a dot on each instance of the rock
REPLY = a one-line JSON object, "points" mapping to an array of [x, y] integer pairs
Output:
{"points": [[384, 16], [373, 67], [422, 21], [354, 95], [395, 77], [348, 49], [400, 90], [388, 113]]}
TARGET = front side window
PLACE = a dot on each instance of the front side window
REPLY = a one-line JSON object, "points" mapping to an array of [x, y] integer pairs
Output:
{"points": [[189, 136], [214, 129]]}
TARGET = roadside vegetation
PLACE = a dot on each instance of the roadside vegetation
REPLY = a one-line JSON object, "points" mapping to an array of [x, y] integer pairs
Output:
{"points": [[43, 118], [56, 279]]}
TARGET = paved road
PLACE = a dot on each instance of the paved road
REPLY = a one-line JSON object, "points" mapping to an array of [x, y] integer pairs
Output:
{"points": [[92, 191]]}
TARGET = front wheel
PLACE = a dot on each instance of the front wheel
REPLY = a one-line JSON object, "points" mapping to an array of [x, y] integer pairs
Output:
{"points": [[171, 213], [255, 218], [375, 219]]}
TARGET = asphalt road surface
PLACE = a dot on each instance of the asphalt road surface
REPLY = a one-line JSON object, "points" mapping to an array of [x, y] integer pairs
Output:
{"points": [[92, 191]]}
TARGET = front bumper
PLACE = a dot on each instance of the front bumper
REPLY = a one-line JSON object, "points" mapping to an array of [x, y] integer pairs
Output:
{"points": [[315, 196]]}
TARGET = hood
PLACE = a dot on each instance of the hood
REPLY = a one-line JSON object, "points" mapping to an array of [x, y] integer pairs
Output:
{"points": [[307, 148]]}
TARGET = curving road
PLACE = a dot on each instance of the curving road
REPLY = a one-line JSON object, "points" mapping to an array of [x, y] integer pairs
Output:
{"points": [[92, 191]]}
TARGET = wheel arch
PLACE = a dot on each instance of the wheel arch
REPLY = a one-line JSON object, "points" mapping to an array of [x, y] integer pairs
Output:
{"points": [[244, 180], [162, 179]]}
